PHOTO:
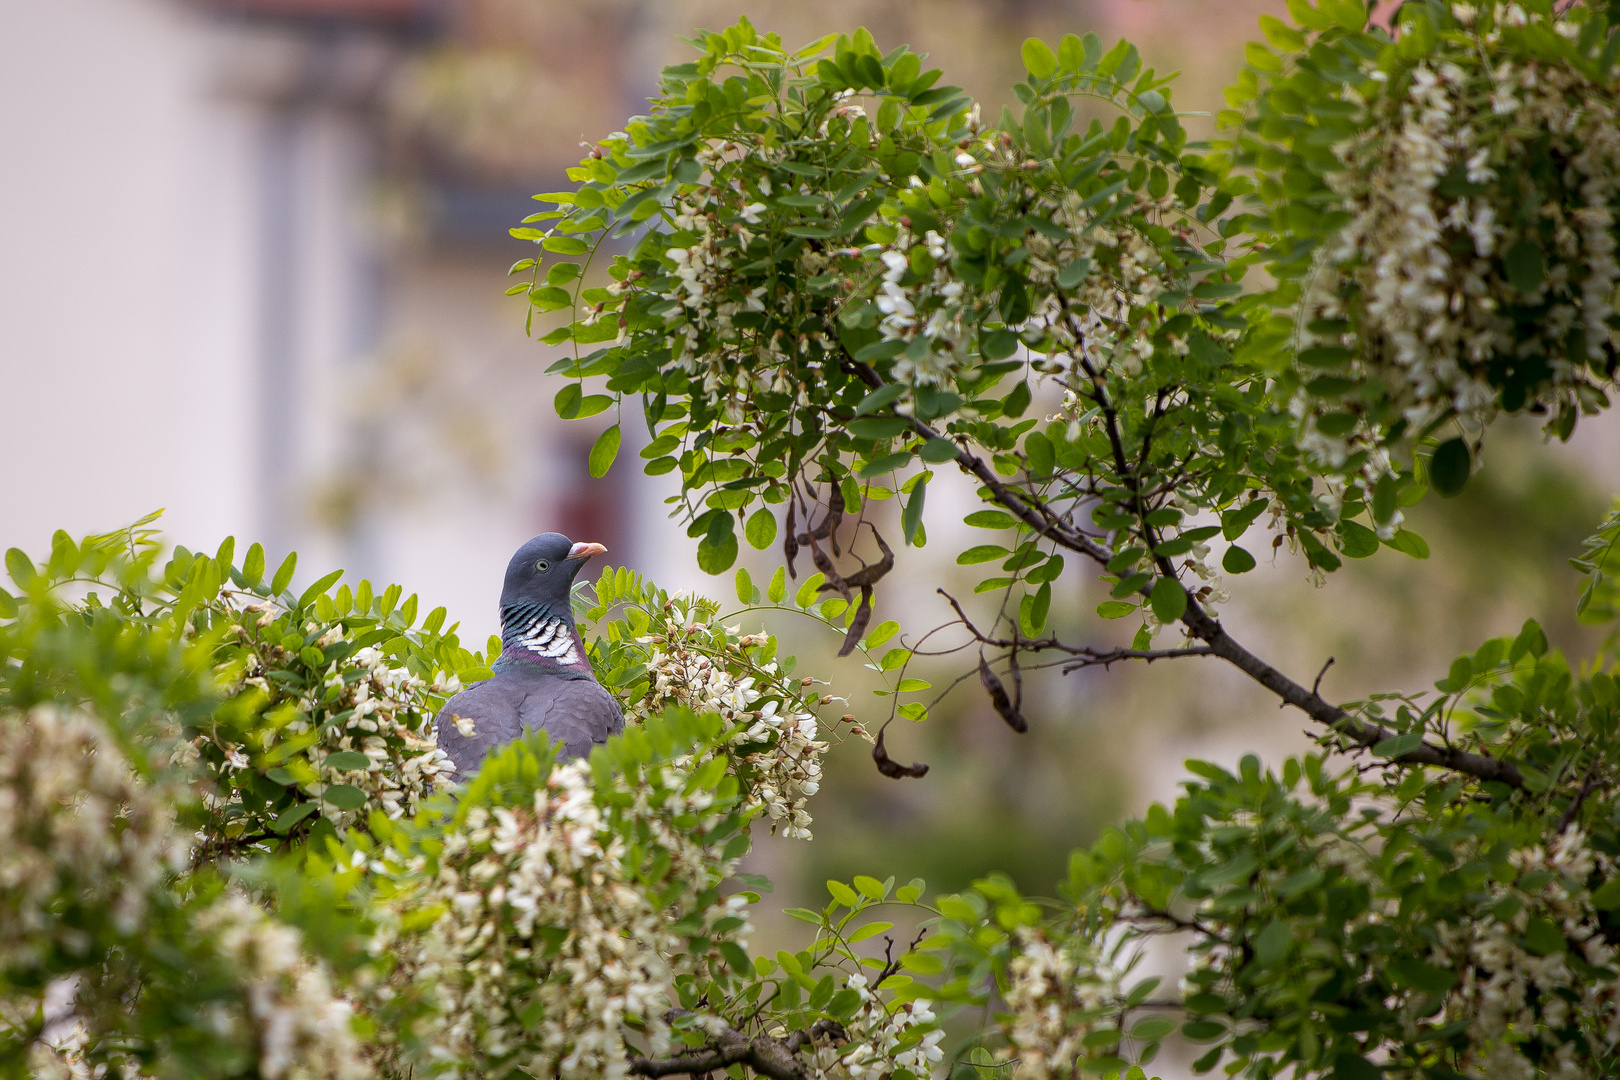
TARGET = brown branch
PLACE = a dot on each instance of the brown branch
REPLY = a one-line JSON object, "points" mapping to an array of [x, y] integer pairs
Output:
{"points": [[1574, 809], [1201, 625], [1108, 657], [770, 1057]]}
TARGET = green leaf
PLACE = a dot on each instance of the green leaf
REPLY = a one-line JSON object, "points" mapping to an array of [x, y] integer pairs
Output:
{"points": [[922, 963], [1410, 971], [998, 344], [565, 245], [1350, 14], [881, 633], [745, 585], [318, 588], [982, 554], [1356, 541], [1073, 274], [567, 401], [253, 565], [760, 529], [1543, 938], [1041, 454], [1203, 1030], [1606, 897], [1525, 266], [736, 956], [292, 816], [870, 886], [1271, 943], [716, 556], [348, 760], [20, 567], [990, 519], [888, 463], [603, 451], [1039, 58], [1409, 543], [1386, 493], [882, 427], [894, 658], [880, 397], [843, 894], [808, 591], [1169, 600], [1014, 404], [1152, 1028], [911, 519], [283, 578], [778, 586], [938, 451], [1449, 468], [1353, 1066], [1237, 560], [8, 605], [1115, 609], [344, 796], [1396, 745], [1032, 611]]}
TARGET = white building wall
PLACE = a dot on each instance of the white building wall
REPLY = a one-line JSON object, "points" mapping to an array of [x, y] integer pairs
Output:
{"points": [[124, 346]]}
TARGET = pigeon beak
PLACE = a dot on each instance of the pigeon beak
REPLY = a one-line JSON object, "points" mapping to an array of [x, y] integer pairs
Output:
{"points": [[585, 551]]}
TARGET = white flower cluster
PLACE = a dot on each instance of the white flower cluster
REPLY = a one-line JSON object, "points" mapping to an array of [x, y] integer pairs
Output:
{"points": [[1517, 986], [1514, 998], [547, 941], [1419, 286], [930, 316], [883, 1039], [1055, 999], [362, 703], [1100, 318], [77, 826], [711, 348], [781, 768], [301, 1029]]}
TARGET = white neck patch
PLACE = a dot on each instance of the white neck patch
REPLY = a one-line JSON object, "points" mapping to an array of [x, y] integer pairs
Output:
{"points": [[550, 638]]}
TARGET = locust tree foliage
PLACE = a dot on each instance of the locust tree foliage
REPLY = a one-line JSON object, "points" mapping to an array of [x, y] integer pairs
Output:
{"points": [[227, 843]]}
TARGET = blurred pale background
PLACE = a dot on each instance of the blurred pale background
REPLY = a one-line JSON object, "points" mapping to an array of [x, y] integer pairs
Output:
{"points": [[252, 259]]}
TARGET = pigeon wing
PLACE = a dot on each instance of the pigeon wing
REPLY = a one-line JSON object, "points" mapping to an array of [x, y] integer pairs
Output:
{"points": [[492, 707], [577, 713]]}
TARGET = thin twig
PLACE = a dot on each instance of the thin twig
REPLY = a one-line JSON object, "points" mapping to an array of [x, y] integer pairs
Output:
{"points": [[1317, 685], [1587, 785]]}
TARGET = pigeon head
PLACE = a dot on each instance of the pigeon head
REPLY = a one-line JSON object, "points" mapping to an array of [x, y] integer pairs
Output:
{"points": [[541, 574]]}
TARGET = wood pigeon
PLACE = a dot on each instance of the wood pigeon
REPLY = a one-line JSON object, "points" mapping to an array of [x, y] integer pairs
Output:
{"points": [[543, 679]]}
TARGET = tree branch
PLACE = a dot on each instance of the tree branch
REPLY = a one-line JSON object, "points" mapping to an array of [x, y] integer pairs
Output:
{"points": [[767, 1056], [1201, 625], [1106, 657]]}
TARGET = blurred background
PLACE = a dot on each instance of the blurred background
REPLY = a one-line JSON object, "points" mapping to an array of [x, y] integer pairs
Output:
{"points": [[252, 264]]}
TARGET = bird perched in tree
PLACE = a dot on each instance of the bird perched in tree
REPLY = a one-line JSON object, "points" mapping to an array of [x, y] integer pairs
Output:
{"points": [[543, 680]]}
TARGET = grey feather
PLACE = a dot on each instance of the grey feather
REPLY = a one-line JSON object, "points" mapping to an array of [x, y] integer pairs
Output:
{"points": [[576, 712], [543, 679]]}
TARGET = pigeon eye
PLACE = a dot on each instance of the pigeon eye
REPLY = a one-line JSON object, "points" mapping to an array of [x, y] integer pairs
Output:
{"points": [[542, 566]]}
